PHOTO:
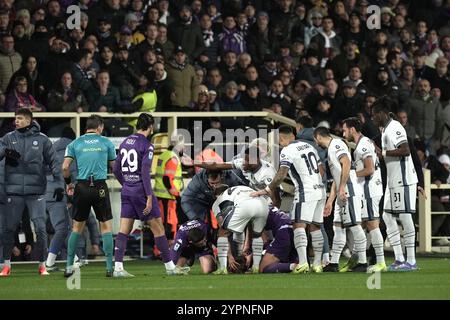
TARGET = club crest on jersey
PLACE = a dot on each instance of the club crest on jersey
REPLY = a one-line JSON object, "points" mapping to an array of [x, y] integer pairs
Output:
{"points": [[35, 143]]}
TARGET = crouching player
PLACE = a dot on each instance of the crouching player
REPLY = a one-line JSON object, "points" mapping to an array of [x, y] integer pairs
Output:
{"points": [[191, 242], [235, 210], [281, 255]]}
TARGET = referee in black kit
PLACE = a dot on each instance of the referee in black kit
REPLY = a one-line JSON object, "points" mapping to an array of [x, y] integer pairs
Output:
{"points": [[92, 153]]}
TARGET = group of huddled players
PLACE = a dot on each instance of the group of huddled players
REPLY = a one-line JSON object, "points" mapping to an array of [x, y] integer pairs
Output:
{"points": [[257, 237]]}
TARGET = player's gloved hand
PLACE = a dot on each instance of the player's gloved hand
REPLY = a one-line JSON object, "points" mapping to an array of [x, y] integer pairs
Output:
{"points": [[58, 195], [12, 157]]}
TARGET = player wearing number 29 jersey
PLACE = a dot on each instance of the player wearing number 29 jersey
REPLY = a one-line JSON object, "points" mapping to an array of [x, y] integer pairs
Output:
{"points": [[132, 169]]}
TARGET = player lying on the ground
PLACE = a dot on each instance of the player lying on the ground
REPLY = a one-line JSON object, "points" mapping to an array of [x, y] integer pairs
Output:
{"points": [[235, 209], [281, 255], [191, 242], [132, 170]]}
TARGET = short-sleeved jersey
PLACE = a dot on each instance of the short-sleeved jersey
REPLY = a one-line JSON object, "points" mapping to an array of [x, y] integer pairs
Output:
{"points": [[303, 162], [257, 180], [231, 197], [91, 153], [134, 161], [336, 150], [400, 170], [372, 185]]}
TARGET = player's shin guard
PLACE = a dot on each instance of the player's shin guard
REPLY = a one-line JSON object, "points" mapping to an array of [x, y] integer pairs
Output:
{"points": [[378, 244], [300, 243], [338, 244], [317, 244], [257, 247], [222, 252], [409, 236], [238, 243], [359, 238], [119, 250], [278, 267], [108, 249], [71, 247], [393, 234]]}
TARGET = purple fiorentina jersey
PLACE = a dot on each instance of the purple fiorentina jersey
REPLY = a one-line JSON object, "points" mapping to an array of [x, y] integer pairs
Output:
{"points": [[181, 240], [133, 164], [276, 219]]}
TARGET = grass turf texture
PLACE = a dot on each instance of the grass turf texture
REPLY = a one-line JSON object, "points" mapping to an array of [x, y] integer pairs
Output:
{"points": [[431, 282]]}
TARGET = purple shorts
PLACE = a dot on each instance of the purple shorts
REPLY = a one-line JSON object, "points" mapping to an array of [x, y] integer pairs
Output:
{"points": [[282, 246], [133, 207]]}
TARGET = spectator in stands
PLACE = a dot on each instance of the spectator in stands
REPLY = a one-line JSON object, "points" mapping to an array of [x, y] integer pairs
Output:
{"points": [[150, 43], [21, 41], [231, 101], [103, 97], [209, 56], [326, 42], [182, 75], [269, 70], [56, 61], [23, 16], [214, 80], [402, 117], [132, 22], [407, 79], [4, 23], [66, 97], [10, 61], [276, 95], [421, 70], [342, 63], [349, 104], [165, 15], [126, 38], [440, 78], [228, 67], [19, 97], [311, 70], [35, 81], [81, 70], [260, 39], [230, 39], [163, 87], [425, 114], [187, 34], [166, 44]]}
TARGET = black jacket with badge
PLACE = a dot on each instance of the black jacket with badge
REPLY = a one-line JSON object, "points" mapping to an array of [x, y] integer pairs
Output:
{"points": [[29, 152]]}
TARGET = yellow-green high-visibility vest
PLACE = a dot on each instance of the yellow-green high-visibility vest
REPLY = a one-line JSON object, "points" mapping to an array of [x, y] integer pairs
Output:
{"points": [[160, 190]]}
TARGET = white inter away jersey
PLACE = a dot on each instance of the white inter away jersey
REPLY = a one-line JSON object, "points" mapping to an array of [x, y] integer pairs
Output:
{"points": [[400, 170], [372, 185], [303, 162], [259, 179], [336, 150], [231, 197]]}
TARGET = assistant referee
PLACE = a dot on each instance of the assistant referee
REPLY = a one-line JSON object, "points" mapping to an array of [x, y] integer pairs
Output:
{"points": [[92, 153]]}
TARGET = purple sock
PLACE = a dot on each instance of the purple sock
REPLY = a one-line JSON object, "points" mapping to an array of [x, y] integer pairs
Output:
{"points": [[120, 247], [278, 268], [163, 246]]}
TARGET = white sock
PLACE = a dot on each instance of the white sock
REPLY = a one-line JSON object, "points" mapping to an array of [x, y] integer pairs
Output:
{"points": [[257, 247], [338, 244], [118, 266], [326, 258], [292, 266], [222, 252], [378, 244], [317, 244], [238, 242], [350, 241], [42, 264], [359, 237], [76, 259], [393, 234], [368, 239], [51, 258], [8, 263], [300, 243], [409, 236], [169, 265]]}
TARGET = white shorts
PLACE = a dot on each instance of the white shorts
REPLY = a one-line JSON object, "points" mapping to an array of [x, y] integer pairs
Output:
{"points": [[371, 209], [308, 211], [400, 199], [253, 210], [349, 214]]}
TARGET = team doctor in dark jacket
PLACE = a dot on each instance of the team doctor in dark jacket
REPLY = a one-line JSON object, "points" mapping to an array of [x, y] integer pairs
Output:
{"points": [[28, 153]]}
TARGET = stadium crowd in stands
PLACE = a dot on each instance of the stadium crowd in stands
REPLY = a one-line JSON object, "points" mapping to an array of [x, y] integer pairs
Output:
{"points": [[250, 55]]}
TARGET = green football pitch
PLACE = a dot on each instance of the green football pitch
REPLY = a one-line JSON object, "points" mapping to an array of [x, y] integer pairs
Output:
{"points": [[431, 282]]}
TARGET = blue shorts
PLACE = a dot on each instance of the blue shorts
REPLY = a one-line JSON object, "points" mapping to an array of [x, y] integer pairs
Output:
{"points": [[133, 207]]}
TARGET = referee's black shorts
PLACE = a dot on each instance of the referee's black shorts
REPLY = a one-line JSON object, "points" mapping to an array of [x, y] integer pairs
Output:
{"points": [[87, 196]]}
